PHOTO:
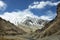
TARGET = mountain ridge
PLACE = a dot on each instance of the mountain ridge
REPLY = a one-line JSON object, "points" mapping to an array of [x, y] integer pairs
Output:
{"points": [[51, 28], [7, 28]]}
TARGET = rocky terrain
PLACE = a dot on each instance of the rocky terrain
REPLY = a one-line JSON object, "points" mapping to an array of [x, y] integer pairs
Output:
{"points": [[52, 28], [7, 28], [50, 31]]}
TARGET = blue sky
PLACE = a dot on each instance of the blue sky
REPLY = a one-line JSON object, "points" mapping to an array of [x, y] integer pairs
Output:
{"points": [[23, 4], [44, 9]]}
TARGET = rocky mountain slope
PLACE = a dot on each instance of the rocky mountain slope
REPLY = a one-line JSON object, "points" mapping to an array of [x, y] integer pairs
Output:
{"points": [[54, 25], [7, 28], [52, 28]]}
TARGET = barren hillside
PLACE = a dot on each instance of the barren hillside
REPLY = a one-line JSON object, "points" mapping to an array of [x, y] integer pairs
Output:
{"points": [[7, 28]]}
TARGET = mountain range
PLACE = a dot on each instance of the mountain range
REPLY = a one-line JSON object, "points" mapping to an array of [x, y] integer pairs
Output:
{"points": [[31, 29]]}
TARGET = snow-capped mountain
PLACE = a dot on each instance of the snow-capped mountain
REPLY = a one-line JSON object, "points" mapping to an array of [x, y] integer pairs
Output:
{"points": [[33, 23], [30, 22]]}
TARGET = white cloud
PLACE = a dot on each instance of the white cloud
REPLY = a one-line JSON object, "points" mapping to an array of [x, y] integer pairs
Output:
{"points": [[17, 16], [36, 3], [2, 5], [49, 15], [42, 4], [45, 17]]}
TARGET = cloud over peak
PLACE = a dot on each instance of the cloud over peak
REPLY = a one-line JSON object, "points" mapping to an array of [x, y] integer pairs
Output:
{"points": [[18, 16]]}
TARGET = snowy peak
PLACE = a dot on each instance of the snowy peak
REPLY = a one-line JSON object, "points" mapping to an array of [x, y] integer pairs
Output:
{"points": [[30, 21]]}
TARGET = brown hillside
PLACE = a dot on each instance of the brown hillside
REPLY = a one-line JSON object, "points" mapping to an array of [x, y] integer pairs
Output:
{"points": [[52, 28], [55, 25], [7, 28]]}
